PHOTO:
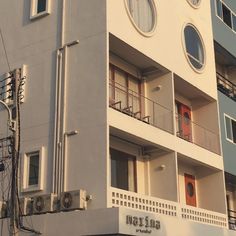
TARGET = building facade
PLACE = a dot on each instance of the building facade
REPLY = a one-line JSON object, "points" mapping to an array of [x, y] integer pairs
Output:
{"points": [[224, 29], [119, 119]]}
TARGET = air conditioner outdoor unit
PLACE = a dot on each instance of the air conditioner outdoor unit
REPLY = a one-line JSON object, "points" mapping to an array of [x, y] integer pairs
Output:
{"points": [[26, 206], [3, 210], [44, 203], [73, 200]]}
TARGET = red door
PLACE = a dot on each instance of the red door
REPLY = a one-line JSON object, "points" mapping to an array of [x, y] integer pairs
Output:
{"points": [[190, 190], [185, 121]]}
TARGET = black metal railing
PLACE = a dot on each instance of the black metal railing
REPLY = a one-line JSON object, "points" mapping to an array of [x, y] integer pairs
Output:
{"points": [[232, 219], [226, 87], [142, 108]]}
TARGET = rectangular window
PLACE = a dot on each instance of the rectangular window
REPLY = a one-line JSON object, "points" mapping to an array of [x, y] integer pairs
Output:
{"points": [[234, 22], [39, 8], [219, 8], [33, 170], [227, 16], [123, 170], [230, 128], [125, 91]]}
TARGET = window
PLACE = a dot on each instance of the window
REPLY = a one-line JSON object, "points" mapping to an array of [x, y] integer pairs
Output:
{"points": [[143, 14], [230, 128], [125, 91], [234, 22], [226, 14], [33, 166], [39, 8], [194, 47], [219, 8], [123, 170]]}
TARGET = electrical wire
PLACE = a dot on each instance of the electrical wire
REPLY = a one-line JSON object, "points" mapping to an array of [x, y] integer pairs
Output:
{"points": [[3, 43], [18, 99]]}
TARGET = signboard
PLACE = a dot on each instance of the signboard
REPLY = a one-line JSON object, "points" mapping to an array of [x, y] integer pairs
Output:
{"points": [[139, 223]]}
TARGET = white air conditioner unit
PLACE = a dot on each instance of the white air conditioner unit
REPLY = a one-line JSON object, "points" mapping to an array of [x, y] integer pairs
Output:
{"points": [[3, 210], [73, 200], [26, 206], [45, 203]]}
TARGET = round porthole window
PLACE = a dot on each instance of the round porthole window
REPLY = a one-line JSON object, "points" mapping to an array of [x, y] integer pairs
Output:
{"points": [[190, 189], [186, 118], [143, 15], [194, 48], [194, 3]]}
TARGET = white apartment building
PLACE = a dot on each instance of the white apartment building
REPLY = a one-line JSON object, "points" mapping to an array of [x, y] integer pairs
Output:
{"points": [[119, 124]]}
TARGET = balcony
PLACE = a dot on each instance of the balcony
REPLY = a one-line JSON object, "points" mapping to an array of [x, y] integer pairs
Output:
{"points": [[139, 107], [122, 198], [226, 86], [194, 133], [146, 110], [232, 219]]}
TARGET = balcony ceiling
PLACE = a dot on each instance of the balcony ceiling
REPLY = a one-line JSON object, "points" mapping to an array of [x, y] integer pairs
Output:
{"points": [[187, 90], [135, 57], [147, 147], [223, 57]]}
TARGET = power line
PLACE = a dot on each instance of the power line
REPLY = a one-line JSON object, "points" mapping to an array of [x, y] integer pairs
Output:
{"points": [[3, 43]]}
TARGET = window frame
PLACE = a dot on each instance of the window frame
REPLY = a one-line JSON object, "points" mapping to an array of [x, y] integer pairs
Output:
{"points": [[25, 178], [232, 14], [187, 55], [154, 10], [226, 134], [127, 91], [33, 10], [133, 160]]}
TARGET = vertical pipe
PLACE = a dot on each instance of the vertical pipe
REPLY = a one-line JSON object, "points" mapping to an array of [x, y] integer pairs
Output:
{"points": [[63, 123], [57, 117], [55, 143]]}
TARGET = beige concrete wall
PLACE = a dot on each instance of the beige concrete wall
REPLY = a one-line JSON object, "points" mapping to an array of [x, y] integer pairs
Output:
{"points": [[165, 46], [86, 99], [163, 181], [212, 196]]}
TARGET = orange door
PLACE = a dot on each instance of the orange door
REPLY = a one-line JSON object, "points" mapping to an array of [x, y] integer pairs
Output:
{"points": [[190, 190], [185, 121]]}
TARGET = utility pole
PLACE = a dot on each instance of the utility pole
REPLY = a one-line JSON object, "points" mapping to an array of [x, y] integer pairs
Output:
{"points": [[14, 204]]}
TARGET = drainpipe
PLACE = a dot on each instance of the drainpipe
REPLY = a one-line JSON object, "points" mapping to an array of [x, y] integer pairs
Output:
{"points": [[57, 117], [59, 147]]}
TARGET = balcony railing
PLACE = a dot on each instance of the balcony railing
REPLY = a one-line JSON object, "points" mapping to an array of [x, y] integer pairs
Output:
{"points": [[232, 219], [226, 86], [194, 133], [136, 201], [142, 108]]}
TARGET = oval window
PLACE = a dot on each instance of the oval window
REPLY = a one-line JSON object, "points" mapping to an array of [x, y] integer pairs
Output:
{"points": [[186, 118], [194, 47], [194, 3], [190, 189], [143, 14]]}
